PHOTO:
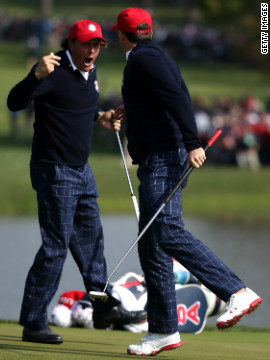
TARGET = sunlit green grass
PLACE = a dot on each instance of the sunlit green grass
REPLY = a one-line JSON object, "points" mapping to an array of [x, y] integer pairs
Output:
{"points": [[226, 193], [211, 344]]}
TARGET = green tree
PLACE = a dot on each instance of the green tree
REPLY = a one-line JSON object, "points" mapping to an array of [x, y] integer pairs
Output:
{"points": [[46, 7], [240, 20]]}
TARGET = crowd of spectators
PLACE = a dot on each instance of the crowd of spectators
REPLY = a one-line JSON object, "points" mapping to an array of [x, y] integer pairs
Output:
{"points": [[33, 31], [245, 124], [189, 41]]}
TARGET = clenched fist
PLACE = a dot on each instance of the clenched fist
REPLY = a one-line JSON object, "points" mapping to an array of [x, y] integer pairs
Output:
{"points": [[196, 157], [46, 65]]}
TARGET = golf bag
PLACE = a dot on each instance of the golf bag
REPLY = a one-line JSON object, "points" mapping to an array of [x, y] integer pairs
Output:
{"points": [[194, 304]]}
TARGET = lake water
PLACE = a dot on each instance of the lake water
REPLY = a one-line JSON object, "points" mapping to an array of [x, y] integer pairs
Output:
{"points": [[244, 248]]}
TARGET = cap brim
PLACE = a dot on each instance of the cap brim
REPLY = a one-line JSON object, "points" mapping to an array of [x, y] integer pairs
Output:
{"points": [[85, 38], [114, 27]]}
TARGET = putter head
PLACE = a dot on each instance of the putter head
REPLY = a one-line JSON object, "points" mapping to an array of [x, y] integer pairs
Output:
{"points": [[93, 295]]}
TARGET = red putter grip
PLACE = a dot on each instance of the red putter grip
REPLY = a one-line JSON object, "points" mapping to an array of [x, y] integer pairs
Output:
{"points": [[214, 137]]}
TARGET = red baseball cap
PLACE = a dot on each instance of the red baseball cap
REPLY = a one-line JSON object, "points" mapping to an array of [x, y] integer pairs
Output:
{"points": [[86, 30], [130, 18]]}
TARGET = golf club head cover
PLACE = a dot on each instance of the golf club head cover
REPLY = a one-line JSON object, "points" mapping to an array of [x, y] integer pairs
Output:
{"points": [[192, 308]]}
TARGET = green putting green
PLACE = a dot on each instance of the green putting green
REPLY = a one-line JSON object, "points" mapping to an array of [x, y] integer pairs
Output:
{"points": [[239, 343]]}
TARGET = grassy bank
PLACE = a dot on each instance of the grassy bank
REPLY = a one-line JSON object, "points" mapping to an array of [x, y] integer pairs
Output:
{"points": [[219, 193], [101, 344]]}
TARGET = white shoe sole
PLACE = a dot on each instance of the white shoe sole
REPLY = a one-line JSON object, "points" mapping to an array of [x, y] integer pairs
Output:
{"points": [[233, 321], [153, 353]]}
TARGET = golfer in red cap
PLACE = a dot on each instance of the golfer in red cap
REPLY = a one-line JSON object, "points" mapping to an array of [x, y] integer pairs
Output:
{"points": [[64, 89], [163, 140]]}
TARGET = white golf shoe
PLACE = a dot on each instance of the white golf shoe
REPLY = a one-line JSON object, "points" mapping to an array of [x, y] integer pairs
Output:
{"points": [[237, 306], [153, 344]]}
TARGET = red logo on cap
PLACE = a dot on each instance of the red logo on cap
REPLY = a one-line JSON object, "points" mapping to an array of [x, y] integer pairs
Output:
{"points": [[92, 27], [86, 30]]}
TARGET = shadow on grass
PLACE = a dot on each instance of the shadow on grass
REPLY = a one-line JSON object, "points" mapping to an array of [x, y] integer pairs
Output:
{"points": [[54, 349], [16, 348], [18, 338], [9, 338]]}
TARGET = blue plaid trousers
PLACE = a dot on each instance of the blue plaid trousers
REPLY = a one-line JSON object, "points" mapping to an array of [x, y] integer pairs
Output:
{"points": [[69, 219], [167, 238]]}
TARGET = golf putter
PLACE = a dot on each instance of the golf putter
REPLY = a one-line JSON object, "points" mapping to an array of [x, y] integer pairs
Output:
{"points": [[133, 197], [102, 294]]}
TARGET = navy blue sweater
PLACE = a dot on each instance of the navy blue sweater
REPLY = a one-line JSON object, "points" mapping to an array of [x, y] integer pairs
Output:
{"points": [[65, 110], [159, 112]]}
